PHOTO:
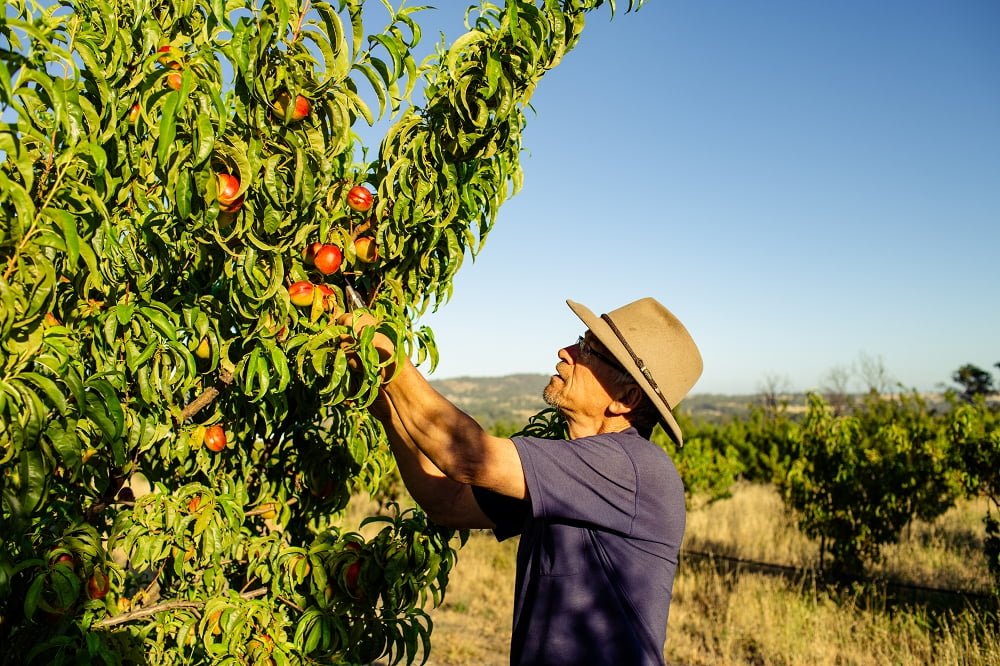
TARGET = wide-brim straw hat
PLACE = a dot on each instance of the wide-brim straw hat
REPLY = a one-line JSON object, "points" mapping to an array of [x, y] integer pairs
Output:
{"points": [[654, 348]]}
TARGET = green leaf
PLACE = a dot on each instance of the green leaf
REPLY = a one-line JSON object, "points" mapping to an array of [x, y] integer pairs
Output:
{"points": [[65, 441], [206, 139], [99, 158], [182, 193], [307, 631], [494, 72], [396, 51], [461, 45], [283, 11], [34, 595], [280, 363], [43, 287], [161, 321], [24, 208], [168, 128], [124, 313], [357, 28], [337, 39], [376, 82], [70, 235], [135, 358], [104, 409], [49, 388], [34, 481]]}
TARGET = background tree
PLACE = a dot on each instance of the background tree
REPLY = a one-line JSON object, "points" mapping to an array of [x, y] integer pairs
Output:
{"points": [[708, 463], [975, 429], [873, 374], [974, 382], [856, 480], [836, 388], [773, 392], [184, 211]]}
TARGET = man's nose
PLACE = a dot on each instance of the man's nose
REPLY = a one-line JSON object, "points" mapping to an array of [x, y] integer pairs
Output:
{"points": [[570, 352]]}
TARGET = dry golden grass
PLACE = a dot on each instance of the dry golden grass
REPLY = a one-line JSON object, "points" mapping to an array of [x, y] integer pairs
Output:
{"points": [[474, 623], [754, 525], [722, 618], [947, 552]]}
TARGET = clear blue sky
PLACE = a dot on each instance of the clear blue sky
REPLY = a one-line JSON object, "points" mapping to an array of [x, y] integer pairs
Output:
{"points": [[802, 183]]}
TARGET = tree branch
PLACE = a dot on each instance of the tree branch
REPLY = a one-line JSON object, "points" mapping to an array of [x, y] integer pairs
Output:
{"points": [[166, 606], [302, 16], [268, 507], [207, 396]]}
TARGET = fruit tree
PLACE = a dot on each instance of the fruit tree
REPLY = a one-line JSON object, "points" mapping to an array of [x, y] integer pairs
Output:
{"points": [[182, 195]]}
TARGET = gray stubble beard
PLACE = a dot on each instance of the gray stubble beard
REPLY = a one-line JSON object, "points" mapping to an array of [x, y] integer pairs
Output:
{"points": [[551, 396]]}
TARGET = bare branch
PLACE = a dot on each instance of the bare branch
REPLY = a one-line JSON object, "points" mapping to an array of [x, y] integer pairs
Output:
{"points": [[166, 606], [207, 396]]}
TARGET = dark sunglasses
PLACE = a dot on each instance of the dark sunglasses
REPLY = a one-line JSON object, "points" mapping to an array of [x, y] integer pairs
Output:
{"points": [[587, 352]]}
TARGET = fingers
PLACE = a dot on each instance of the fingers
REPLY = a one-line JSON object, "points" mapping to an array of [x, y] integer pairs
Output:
{"points": [[356, 322], [348, 341]]}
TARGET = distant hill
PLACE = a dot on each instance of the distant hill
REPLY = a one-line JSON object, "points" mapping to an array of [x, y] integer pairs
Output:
{"points": [[491, 400], [515, 398]]}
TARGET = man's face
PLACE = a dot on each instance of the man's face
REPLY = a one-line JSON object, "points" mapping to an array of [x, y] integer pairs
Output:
{"points": [[583, 379]]}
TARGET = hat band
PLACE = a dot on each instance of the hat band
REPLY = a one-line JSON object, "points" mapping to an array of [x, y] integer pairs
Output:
{"points": [[638, 361]]}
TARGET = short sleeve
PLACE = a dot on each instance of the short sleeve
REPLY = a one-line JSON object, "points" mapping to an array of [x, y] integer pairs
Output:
{"points": [[507, 513], [591, 480]]}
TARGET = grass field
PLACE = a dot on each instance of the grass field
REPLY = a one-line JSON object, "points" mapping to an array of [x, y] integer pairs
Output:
{"points": [[723, 615]]}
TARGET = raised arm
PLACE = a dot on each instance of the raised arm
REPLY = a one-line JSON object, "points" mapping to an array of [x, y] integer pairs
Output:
{"points": [[450, 439], [446, 502]]}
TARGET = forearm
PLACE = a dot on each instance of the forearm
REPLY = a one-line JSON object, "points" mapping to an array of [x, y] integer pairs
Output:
{"points": [[448, 438], [427, 425], [446, 502], [427, 484]]}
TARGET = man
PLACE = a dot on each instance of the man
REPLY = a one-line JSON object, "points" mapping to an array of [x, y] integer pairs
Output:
{"points": [[600, 516]]}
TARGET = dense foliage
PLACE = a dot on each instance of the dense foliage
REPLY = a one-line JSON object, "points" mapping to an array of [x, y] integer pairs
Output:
{"points": [[857, 479], [856, 476], [975, 430], [180, 429]]}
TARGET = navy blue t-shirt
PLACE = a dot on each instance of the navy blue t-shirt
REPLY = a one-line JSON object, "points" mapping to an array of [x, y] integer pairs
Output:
{"points": [[599, 543]]}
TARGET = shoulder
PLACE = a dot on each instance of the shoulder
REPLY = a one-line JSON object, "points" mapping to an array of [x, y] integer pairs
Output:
{"points": [[619, 449], [653, 465], [619, 438], [631, 444]]}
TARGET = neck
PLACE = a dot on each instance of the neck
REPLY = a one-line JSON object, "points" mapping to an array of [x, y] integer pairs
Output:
{"points": [[581, 427]]}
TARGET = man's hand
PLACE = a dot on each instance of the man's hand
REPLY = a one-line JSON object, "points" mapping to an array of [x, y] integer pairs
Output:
{"points": [[442, 451], [358, 322]]}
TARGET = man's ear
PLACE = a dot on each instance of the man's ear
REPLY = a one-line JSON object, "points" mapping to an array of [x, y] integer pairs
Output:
{"points": [[629, 398]]}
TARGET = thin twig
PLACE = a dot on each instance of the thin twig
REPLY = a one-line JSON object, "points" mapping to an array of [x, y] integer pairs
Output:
{"points": [[267, 507], [244, 589], [156, 580], [302, 16], [290, 604]]}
